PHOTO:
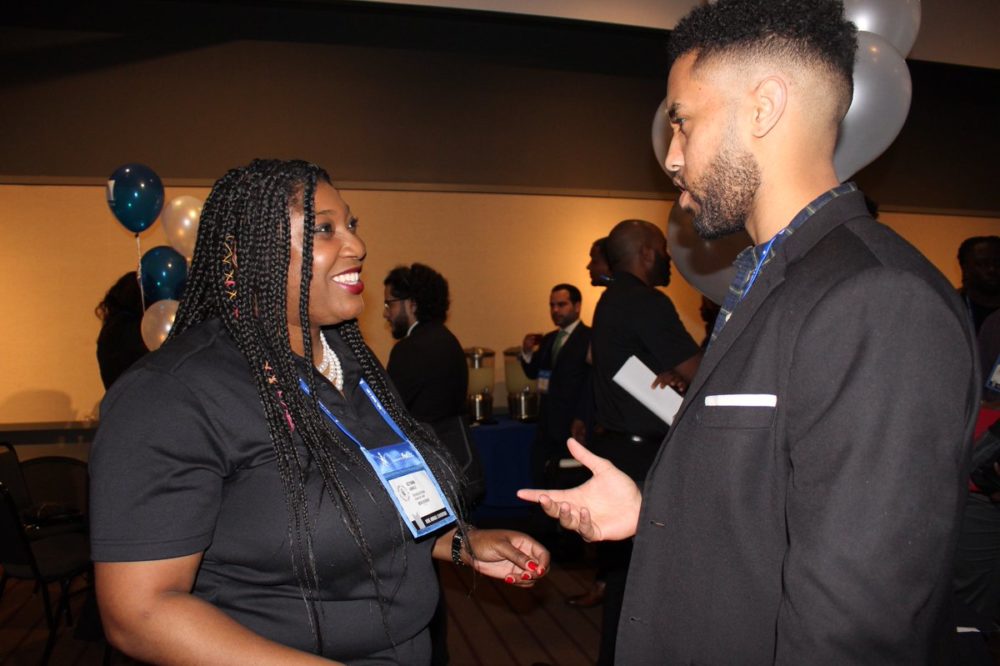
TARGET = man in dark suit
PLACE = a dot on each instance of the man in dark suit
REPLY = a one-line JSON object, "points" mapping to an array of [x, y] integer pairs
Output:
{"points": [[428, 367], [558, 361], [805, 505]]}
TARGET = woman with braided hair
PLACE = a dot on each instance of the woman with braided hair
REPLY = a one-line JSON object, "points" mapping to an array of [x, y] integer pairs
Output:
{"points": [[258, 493]]}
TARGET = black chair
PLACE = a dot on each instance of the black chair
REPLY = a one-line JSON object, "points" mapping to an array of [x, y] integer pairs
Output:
{"points": [[10, 476], [58, 487], [50, 492], [58, 558]]}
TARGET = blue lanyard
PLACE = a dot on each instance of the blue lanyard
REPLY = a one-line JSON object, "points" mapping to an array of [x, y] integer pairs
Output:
{"points": [[760, 263], [372, 398]]}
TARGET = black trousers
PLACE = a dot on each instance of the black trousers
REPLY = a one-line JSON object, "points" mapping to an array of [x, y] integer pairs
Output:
{"points": [[977, 559], [633, 455]]}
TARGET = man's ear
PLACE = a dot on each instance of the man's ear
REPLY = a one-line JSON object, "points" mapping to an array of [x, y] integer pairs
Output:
{"points": [[410, 306], [647, 254], [770, 98]]}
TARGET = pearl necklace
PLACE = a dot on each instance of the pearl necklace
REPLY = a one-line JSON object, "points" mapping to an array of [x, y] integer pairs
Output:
{"points": [[330, 367]]}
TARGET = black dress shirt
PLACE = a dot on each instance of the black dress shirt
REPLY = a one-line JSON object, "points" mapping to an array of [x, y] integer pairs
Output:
{"points": [[633, 318]]}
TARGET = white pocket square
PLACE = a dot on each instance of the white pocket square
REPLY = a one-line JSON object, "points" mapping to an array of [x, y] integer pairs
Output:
{"points": [[742, 400]]}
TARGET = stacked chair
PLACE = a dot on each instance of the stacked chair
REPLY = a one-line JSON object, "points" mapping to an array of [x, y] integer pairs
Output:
{"points": [[43, 529]]}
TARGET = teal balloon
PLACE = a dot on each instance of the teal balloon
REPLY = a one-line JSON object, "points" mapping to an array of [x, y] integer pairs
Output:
{"points": [[164, 273], [135, 196]]}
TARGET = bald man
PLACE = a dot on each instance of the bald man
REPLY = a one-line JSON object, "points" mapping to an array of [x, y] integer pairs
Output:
{"points": [[805, 506], [633, 318]]}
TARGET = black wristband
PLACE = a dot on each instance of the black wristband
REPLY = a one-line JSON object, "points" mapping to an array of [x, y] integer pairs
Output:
{"points": [[457, 542]]}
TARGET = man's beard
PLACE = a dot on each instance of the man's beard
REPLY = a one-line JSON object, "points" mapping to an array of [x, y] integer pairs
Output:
{"points": [[563, 320], [725, 197], [399, 326], [661, 271]]}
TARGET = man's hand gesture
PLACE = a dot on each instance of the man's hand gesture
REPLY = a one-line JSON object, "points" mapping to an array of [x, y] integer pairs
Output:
{"points": [[604, 508]]}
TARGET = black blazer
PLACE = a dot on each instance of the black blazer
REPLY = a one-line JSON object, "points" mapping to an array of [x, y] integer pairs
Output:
{"points": [[819, 530], [429, 370], [565, 397]]}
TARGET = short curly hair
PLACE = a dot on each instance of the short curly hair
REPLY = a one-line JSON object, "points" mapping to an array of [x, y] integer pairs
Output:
{"points": [[425, 286], [804, 31]]}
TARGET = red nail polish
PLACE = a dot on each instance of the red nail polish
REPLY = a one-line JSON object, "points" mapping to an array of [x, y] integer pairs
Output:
{"points": [[526, 576], [533, 566], [508, 579], [541, 571]]}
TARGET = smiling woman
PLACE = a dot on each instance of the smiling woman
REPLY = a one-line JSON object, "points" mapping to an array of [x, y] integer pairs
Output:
{"points": [[338, 253], [257, 488]]}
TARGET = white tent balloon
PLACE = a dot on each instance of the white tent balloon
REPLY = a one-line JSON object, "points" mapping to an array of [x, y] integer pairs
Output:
{"points": [[661, 135], [898, 21], [882, 92], [180, 223], [707, 265], [157, 322]]}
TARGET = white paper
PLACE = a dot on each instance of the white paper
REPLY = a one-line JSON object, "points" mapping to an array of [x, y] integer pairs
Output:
{"points": [[637, 379]]}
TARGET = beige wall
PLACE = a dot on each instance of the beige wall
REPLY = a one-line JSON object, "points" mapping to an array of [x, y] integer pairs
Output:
{"points": [[60, 249]]}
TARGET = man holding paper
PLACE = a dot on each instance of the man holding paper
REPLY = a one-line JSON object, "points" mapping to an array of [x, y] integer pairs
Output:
{"points": [[805, 506], [634, 320]]}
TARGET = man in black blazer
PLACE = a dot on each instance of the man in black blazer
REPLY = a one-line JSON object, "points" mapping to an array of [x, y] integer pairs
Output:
{"points": [[805, 505], [558, 361], [427, 366]]}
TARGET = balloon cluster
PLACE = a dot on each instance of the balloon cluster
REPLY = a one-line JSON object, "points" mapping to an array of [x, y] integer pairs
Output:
{"points": [[887, 30], [135, 197]]}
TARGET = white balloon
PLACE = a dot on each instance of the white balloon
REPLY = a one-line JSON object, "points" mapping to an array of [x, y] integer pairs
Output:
{"points": [[897, 21], [157, 322], [661, 135], [706, 265], [180, 224], [882, 92]]}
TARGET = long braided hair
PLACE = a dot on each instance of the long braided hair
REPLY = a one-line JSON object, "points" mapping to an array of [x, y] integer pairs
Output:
{"points": [[239, 274]]}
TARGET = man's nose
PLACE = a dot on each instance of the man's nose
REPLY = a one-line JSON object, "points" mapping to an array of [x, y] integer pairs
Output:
{"points": [[675, 156]]}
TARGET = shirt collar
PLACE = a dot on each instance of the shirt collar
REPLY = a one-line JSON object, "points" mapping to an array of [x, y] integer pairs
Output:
{"points": [[410, 329], [572, 327], [750, 257]]}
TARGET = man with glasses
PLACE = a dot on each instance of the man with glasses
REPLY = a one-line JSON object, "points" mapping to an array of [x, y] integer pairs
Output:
{"points": [[427, 365]]}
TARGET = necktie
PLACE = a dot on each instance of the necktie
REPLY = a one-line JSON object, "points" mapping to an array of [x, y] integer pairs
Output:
{"points": [[557, 345]]}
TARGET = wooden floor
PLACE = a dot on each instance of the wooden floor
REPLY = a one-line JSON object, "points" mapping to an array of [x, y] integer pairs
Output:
{"points": [[489, 623]]}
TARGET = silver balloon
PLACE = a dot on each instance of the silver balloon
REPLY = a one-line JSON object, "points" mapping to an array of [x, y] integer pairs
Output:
{"points": [[157, 322], [706, 265], [882, 92], [661, 135], [897, 21], [180, 224]]}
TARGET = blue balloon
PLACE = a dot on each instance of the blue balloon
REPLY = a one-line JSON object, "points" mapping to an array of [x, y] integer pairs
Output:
{"points": [[135, 196], [164, 273]]}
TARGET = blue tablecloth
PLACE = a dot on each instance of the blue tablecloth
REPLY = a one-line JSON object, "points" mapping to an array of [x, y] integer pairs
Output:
{"points": [[505, 449]]}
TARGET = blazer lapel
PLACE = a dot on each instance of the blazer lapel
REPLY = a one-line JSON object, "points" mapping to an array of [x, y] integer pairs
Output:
{"points": [[832, 215], [767, 281]]}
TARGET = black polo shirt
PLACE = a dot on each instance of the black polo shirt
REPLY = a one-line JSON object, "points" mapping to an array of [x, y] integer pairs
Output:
{"points": [[183, 463], [633, 319]]}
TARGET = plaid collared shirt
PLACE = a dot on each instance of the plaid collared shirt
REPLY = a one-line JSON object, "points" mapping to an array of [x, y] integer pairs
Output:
{"points": [[747, 260]]}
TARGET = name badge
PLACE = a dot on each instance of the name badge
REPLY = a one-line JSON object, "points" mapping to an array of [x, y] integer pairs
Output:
{"points": [[403, 472], [412, 487], [543, 380], [993, 381]]}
